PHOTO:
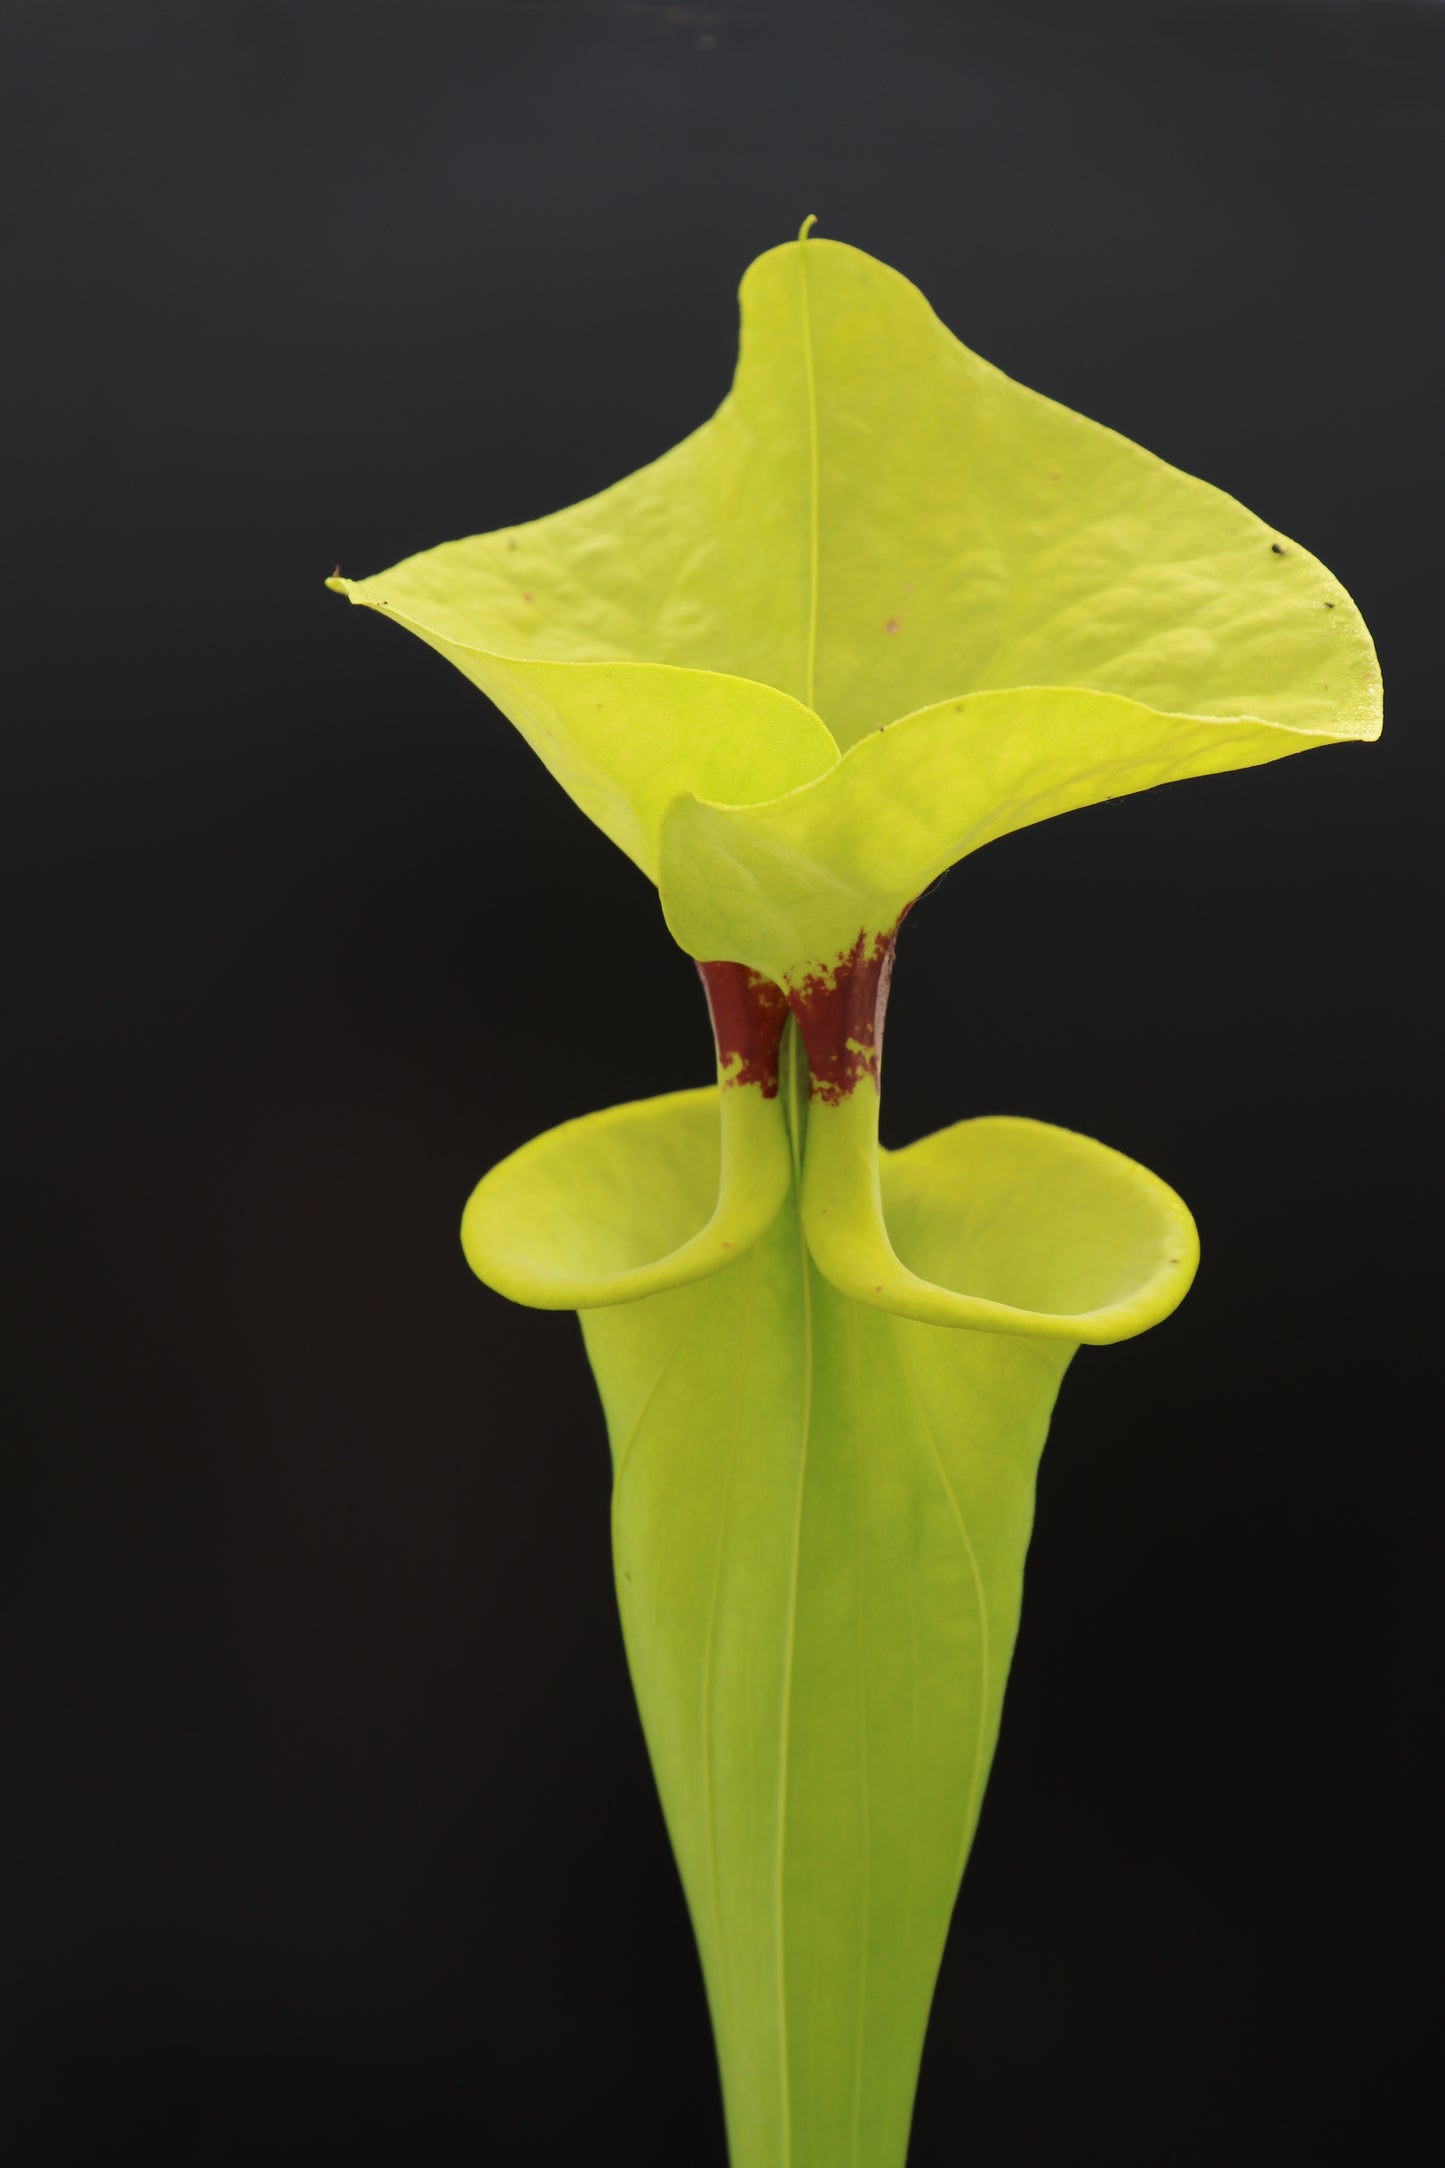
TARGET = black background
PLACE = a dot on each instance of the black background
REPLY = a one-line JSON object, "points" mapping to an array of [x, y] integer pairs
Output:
{"points": [[328, 1828]]}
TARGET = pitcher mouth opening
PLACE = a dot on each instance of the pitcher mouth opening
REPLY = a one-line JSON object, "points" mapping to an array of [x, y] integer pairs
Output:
{"points": [[578, 1219], [998, 1224]]}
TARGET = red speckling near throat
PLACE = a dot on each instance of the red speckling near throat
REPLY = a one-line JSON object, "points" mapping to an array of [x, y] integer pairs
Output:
{"points": [[839, 1011], [840, 1015], [748, 1015]]}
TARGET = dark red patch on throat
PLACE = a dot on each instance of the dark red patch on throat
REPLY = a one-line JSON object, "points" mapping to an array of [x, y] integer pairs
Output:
{"points": [[748, 1015], [840, 1015]]}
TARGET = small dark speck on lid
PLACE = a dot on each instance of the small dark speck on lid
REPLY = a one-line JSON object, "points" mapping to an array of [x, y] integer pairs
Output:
{"points": [[1278, 548], [526, 598], [1329, 605], [892, 625]]}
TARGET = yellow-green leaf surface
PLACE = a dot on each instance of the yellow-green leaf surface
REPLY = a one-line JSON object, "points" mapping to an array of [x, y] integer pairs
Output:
{"points": [[1018, 613], [876, 524], [885, 606], [622, 738], [820, 1518], [1056, 1237], [819, 1527], [620, 1204], [787, 887]]}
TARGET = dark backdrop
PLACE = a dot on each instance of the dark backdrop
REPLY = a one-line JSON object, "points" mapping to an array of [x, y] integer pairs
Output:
{"points": [[328, 1829]]}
